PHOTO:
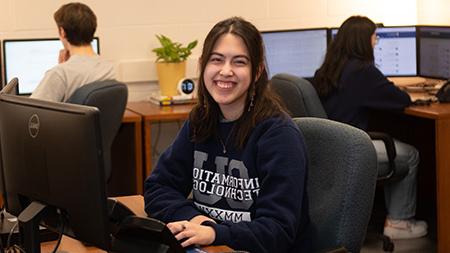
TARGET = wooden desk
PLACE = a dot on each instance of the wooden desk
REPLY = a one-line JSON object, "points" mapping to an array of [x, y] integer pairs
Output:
{"points": [[136, 204], [440, 114], [154, 113], [428, 129]]}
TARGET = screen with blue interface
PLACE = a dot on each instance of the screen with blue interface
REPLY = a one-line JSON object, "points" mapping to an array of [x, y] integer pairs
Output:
{"points": [[29, 59], [395, 52], [297, 52], [434, 56]]}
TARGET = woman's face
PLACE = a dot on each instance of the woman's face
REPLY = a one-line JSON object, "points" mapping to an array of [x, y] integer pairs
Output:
{"points": [[374, 40], [227, 75]]}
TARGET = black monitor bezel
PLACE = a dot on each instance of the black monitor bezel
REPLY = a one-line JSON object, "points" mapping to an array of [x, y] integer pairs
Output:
{"points": [[3, 66], [91, 123], [296, 30]]}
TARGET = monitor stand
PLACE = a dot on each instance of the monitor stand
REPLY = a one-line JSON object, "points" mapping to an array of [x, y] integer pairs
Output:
{"points": [[29, 220]]}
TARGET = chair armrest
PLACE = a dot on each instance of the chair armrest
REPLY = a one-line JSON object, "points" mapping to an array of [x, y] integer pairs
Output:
{"points": [[390, 151]]}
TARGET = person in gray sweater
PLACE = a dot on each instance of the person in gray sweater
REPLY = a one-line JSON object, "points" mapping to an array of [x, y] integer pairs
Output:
{"points": [[78, 63]]}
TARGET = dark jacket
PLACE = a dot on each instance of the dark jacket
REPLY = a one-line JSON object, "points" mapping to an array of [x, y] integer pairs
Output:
{"points": [[362, 87], [256, 195]]}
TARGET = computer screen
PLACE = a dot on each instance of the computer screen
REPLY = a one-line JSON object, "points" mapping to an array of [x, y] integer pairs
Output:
{"points": [[297, 52], [434, 56], [395, 52], [29, 59], [52, 157]]}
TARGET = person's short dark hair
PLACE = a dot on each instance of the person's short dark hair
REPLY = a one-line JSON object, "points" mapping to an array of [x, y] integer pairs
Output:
{"points": [[78, 21]]}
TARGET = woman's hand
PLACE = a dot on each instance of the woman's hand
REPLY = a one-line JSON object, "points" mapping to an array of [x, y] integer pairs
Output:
{"points": [[199, 219], [192, 233]]}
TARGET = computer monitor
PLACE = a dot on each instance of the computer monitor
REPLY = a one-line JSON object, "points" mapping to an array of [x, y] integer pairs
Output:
{"points": [[434, 56], [333, 32], [29, 59], [396, 52], [52, 169], [297, 52]]}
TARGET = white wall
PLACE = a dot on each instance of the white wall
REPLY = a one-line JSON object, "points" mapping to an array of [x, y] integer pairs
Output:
{"points": [[127, 28], [434, 12]]}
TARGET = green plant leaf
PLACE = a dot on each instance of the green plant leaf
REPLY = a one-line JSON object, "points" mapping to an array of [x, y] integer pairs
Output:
{"points": [[172, 51]]}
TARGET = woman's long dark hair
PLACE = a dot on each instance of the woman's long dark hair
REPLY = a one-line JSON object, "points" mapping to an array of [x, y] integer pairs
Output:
{"points": [[353, 41], [206, 115]]}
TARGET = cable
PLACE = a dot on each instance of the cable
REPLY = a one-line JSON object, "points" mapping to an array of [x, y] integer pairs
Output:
{"points": [[10, 234], [60, 232], [2, 220]]}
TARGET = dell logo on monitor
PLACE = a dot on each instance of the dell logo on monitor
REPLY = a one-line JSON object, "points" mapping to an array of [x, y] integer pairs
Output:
{"points": [[33, 125]]}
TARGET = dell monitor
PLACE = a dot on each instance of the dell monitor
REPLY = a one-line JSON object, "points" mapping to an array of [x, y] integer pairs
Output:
{"points": [[395, 52], [434, 56], [52, 169], [29, 59], [296, 52]]}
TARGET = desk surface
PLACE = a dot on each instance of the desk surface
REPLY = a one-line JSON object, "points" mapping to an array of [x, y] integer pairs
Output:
{"points": [[136, 204], [432, 111], [131, 117], [154, 112]]}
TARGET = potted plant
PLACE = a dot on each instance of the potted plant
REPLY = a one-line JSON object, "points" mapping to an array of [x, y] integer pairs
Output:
{"points": [[171, 63]]}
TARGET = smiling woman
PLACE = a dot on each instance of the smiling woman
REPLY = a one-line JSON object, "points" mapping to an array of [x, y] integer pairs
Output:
{"points": [[227, 75], [239, 153]]}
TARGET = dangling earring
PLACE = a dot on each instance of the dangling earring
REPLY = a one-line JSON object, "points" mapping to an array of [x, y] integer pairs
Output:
{"points": [[205, 102], [252, 98]]}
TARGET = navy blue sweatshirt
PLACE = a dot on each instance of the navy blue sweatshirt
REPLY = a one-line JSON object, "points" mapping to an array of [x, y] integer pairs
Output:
{"points": [[362, 87], [256, 194]]}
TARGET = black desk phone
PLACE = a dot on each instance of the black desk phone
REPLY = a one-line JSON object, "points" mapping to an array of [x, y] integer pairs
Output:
{"points": [[443, 94]]}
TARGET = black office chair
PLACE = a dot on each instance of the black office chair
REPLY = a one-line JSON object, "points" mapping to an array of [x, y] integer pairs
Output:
{"points": [[342, 175], [110, 97]]}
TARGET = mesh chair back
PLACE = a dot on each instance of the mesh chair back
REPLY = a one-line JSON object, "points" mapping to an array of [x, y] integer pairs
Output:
{"points": [[341, 182]]}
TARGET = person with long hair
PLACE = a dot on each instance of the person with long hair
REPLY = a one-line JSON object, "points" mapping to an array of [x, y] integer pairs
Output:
{"points": [[239, 153], [349, 85]]}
